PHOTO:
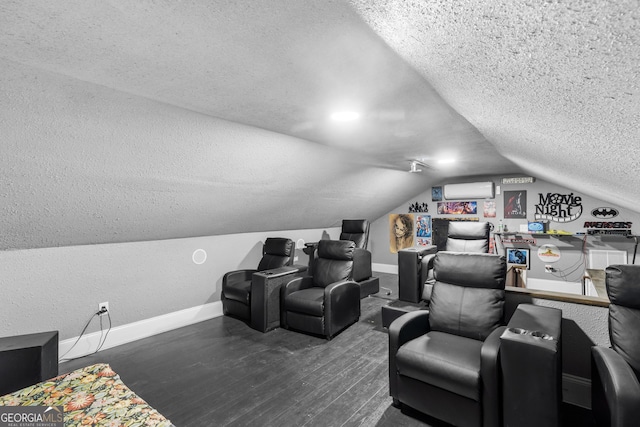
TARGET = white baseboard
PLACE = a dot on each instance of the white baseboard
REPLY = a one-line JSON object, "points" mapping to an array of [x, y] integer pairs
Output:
{"points": [[576, 390], [385, 268], [87, 344]]}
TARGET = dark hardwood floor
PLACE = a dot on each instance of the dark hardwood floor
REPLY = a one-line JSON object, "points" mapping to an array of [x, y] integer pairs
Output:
{"points": [[222, 373]]}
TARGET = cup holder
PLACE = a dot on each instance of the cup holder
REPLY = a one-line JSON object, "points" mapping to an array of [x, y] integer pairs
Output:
{"points": [[541, 335], [535, 334]]}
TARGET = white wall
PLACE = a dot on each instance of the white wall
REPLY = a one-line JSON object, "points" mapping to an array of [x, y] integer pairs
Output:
{"points": [[60, 288]]}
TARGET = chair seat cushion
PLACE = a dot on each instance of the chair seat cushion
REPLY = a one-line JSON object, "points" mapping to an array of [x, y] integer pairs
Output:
{"points": [[449, 362], [306, 301], [238, 291]]}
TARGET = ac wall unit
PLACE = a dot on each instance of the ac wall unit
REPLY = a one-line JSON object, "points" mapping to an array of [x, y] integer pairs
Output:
{"points": [[469, 190]]}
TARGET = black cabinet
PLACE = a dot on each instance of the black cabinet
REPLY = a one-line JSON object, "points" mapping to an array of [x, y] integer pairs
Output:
{"points": [[27, 360]]}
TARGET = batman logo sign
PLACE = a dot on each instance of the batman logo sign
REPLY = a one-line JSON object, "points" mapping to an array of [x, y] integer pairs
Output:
{"points": [[604, 213]]}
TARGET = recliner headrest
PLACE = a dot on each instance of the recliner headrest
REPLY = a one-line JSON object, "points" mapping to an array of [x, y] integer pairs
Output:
{"points": [[623, 285], [476, 270], [336, 249], [278, 246], [468, 230], [355, 225], [356, 230]]}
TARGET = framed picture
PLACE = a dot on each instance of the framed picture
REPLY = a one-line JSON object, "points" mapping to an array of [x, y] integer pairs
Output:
{"points": [[401, 231], [458, 208], [423, 230], [518, 256], [436, 194], [515, 204]]}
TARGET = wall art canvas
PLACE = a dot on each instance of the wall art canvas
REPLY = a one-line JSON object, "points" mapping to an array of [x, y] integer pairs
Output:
{"points": [[515, 204], [423, 230], [458, 208], [489, 209], [401, 231], [436, 194]]}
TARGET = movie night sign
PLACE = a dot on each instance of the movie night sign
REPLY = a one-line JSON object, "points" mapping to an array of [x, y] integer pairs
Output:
{"points": [[559, 207]]}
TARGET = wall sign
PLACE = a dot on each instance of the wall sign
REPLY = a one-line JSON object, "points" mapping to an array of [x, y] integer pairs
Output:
{"points": [[518, 180], [418, 207], [604, 213], [523, 240], [559, 207], [608, 224], [548, 253]]}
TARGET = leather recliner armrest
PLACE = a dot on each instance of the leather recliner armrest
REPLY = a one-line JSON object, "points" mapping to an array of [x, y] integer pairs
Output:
{"points": [[409, 272], [361, 265], [237, 276], [265, 295], [490, 373], [404, 329], [615, 392], [342, 305], [531, 362]]}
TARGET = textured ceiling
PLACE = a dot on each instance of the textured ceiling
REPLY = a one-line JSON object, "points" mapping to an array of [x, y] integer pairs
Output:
{"points": [[546, 88], [553, 85]]}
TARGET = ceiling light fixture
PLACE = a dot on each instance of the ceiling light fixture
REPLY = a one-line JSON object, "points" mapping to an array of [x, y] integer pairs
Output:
{"points": [[446, 161], [345, 116], [414, 167]]}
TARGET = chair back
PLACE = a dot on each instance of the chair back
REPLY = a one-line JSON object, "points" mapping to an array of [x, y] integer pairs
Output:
{"points": [[468, 294], [623, 289], [334, 262], [276, 252], [356, 230], [468, 236]]}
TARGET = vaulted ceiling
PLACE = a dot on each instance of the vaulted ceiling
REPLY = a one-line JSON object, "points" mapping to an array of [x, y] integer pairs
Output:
{"points": [[159, 119]]}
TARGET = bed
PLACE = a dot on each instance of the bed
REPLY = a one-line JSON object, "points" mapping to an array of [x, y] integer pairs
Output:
{"points": [[90, 396]]}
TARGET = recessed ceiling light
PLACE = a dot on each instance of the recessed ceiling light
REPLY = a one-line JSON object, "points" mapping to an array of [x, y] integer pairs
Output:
{"points": [[446, 161], [345, 116]]}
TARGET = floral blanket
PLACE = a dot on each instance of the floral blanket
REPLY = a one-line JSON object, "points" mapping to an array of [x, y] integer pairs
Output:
{"points": [[91, 396]]}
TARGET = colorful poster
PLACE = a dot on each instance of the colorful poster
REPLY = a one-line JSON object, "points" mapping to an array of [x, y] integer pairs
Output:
{"points": [[423, 230], [401, 231], [515, 204], [457, 208], [489, 209]]}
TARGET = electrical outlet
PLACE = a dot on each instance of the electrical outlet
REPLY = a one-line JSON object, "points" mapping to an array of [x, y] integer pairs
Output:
{"points": [[548, 269], [103, 306]]}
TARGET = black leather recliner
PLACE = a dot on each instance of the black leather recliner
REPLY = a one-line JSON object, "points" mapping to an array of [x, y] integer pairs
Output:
{"points": [[415, 265], [356, 230], [328, 301], [615, 371], [445, 361], [236, 285]]}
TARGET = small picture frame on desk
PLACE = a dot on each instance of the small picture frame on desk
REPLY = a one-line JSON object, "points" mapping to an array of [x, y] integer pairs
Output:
{"points": [[517, 256]]}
